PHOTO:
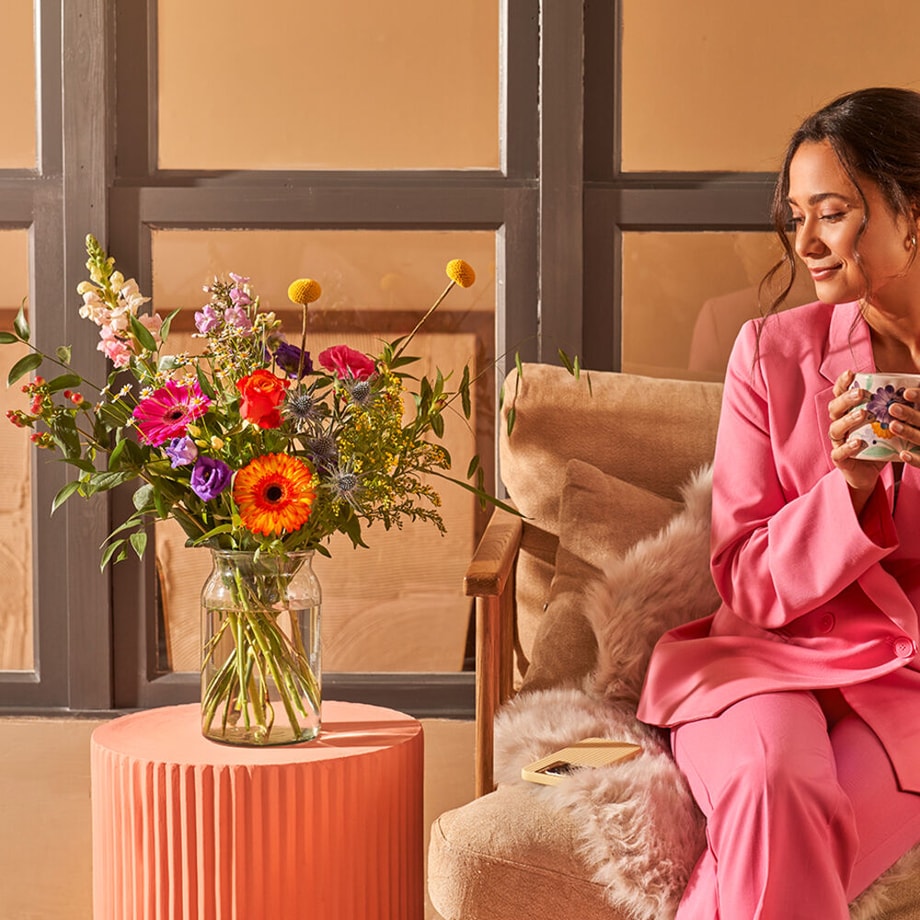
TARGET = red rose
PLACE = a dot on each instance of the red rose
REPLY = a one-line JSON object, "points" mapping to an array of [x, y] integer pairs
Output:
{"points": [[346, 363], [262, 394]]}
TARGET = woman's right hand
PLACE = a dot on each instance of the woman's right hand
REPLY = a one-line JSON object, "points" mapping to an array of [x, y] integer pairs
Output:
{"points": [[846, 415]]}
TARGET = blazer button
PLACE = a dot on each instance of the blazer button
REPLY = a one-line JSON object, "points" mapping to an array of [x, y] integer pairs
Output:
{"points": [[826, 623], [904, 648]]}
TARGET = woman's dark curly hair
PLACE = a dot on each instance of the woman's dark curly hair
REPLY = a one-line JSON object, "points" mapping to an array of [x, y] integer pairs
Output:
{"points": [[876, 135]]}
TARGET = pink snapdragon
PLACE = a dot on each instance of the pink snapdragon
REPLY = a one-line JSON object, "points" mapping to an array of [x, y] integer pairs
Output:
{"points": [[116, 349]]}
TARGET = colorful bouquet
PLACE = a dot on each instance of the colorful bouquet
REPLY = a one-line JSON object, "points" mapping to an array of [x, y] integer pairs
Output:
{"points": [[255, 444]]}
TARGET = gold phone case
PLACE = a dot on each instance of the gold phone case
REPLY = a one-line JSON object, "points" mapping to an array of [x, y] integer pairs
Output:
{"points": [[589, 752]]}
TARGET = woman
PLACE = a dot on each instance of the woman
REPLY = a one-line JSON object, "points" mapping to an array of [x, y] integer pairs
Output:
{"points": [[795, 708]]}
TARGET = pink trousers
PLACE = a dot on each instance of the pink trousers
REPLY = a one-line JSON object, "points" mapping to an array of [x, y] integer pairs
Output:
{"points": [[800, 819]]}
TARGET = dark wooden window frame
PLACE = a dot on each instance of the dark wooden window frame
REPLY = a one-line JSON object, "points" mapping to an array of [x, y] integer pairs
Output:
{"points": [[558, 207]]}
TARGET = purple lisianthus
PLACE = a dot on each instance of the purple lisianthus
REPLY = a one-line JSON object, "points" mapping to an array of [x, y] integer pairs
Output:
{"points": [[210, 477], [287, 357], [207, 319], [181, 451]]}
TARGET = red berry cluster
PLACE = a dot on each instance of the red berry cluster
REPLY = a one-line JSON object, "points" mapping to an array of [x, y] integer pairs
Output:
{"points": [[42, 408]]}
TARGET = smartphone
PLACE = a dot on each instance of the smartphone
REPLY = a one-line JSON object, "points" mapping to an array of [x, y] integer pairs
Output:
{"points": [[589, 752]]}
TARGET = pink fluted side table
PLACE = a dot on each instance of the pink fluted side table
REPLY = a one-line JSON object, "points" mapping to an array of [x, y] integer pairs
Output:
{"points": [[186, 829]]}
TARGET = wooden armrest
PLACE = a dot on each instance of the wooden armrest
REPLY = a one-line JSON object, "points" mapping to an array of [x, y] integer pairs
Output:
{"points": [[490, 579], [492, 563]]}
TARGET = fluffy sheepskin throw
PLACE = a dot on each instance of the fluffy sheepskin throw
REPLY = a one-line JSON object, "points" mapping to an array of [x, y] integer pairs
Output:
{"points": [[641, 831]]}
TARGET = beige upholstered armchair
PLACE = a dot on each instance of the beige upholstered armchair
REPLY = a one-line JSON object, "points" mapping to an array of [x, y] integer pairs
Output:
{"points": [[610, 473]]}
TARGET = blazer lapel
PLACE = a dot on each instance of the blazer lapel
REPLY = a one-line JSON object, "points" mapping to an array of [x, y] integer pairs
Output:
{"points": [[849, 347]]}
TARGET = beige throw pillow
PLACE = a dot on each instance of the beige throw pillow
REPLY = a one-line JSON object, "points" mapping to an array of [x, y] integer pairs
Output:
{"points": [[662, 581], [600, 516]]}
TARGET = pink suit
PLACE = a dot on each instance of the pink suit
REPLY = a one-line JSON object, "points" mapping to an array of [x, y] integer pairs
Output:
{"points": [[813, 598]]}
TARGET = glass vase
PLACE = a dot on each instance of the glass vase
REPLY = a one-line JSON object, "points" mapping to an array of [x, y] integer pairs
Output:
{"points": [[261, 653]]}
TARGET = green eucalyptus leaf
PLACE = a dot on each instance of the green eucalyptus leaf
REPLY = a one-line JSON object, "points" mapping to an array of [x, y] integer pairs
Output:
{"points": [[114, 414], [143, 498], [205, 384], [134, 453], [117, 451], [474, 465], [81, 464], [65, 434], [21, 324], [465, 399], [116, 546], [64, 494], [198, 539], [142, 333], [132, 523], [23, 366], [63, 353], [162, 504], [138, 542], [168, 363], [105, 480], [64, 382], [402, 361], [480, 493], [7, 338], [167, 323]]}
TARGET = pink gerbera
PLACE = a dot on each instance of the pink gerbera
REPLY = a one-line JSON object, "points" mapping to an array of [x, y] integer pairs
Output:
{"points": [[166, 413]]}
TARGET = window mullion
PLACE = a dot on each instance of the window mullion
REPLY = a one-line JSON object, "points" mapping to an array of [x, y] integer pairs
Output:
{"points": [[86, 115]]}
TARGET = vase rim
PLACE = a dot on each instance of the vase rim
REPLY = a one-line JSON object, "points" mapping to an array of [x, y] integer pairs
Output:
{"points": [[250, 553]]}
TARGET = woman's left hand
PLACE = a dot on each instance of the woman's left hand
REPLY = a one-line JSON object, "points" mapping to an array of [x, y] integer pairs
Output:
{"points": [[906, 424]]}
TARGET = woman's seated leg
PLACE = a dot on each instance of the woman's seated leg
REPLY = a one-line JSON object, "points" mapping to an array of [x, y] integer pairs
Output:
{"points": [[781, 831]]}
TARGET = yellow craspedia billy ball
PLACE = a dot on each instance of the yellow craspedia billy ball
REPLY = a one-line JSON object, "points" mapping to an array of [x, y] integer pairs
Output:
{"points": [[460, 272], [304, 291]]}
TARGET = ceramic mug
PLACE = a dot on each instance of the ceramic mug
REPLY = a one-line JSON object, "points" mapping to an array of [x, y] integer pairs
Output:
{"points": [[884, 390]]}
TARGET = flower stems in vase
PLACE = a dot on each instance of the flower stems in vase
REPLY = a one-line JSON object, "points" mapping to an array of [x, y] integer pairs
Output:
{"points": [[260, 670]]}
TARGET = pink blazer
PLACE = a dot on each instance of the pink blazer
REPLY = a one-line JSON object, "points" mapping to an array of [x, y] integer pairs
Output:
{"points": [[810, 599]]}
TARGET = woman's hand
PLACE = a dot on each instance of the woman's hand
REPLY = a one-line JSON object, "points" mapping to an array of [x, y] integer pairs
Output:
{"points": [[906, 424], [846, 415]]}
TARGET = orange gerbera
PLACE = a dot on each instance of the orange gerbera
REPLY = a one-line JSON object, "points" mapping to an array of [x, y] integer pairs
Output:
{"points": [[274, 494]]}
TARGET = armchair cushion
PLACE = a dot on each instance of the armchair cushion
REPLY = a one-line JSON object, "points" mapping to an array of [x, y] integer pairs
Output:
{"points": [[661, 582], [598, 515], [602, 420]]}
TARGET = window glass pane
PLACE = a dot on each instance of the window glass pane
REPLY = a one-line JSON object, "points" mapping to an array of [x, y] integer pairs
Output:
{"points": [[683, 322], [346, 85], [700, 94], [15, 498], [17, 73], [399, 605]]}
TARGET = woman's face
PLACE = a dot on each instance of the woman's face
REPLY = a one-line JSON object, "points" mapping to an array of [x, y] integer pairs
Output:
{"points": [[827, 214]]}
